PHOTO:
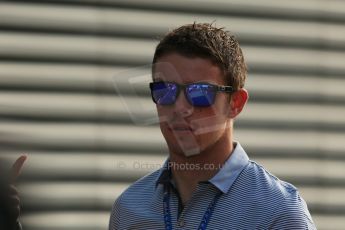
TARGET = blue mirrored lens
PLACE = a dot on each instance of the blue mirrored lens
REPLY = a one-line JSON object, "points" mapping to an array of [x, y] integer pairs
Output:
{"points": [[201, 94], [164, 93]]}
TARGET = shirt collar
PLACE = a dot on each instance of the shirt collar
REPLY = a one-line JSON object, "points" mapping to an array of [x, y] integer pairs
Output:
{"points": [[164, 174], [231, 169], [224, 178]]}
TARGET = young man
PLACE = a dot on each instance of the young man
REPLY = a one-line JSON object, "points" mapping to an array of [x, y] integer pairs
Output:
{"points": [[208, 181]]}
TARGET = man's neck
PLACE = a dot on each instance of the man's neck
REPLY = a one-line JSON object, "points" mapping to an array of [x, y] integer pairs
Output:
{"points": [[187, 172]]}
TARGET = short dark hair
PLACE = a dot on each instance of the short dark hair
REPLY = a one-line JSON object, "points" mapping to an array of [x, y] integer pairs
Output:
{"points": [[207, 41]]}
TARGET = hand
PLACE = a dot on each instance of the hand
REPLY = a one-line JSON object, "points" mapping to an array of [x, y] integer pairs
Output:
{"points": [[10, 202], [13, 192]]}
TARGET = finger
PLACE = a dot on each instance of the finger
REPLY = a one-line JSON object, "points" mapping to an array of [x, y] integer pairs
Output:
{"points": [[11, 205], [17, 167], [14, 212], [12, 190], [13, 201]]}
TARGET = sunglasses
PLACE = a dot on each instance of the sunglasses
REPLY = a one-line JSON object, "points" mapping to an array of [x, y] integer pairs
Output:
{"points": [[199, 94]]}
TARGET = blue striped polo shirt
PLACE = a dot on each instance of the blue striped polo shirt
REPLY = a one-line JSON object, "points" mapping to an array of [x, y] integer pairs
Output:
{"points": [[251, 198]]}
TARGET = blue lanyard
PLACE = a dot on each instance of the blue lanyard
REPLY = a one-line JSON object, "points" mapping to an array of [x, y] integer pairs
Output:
{"points": [[167, 215]]}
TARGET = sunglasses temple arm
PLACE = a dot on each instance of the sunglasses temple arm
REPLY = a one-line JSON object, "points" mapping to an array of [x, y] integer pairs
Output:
{"points": [[227, 89]]}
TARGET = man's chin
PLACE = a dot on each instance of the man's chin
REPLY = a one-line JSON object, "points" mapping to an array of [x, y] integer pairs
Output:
{"points": [[187, 151], [192, 152]]}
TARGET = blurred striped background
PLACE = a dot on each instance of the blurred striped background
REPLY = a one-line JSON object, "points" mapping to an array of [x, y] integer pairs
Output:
{"points": [[67, 71]]}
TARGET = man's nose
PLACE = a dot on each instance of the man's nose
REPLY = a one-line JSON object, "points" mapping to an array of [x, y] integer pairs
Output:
{"points": [[182, 106]]}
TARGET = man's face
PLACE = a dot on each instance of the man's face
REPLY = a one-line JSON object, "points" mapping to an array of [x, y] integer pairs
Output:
{"points": [[187, 129]]}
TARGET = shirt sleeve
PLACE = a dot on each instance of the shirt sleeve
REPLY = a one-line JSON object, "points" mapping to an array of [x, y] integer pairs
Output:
{"points": [[293, 214], [114, 222]]}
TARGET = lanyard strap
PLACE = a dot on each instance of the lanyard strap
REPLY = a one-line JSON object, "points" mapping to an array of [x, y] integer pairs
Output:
{"points": [[167, 215], [166, 207]]}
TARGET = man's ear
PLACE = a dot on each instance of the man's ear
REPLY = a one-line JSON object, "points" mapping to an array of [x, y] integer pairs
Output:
{"points": [[238, 101]]}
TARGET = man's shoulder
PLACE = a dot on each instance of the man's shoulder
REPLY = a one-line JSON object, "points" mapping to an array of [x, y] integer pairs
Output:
{"points": [[134, 202], [144, 186], [279, 199], [264, 185]]}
